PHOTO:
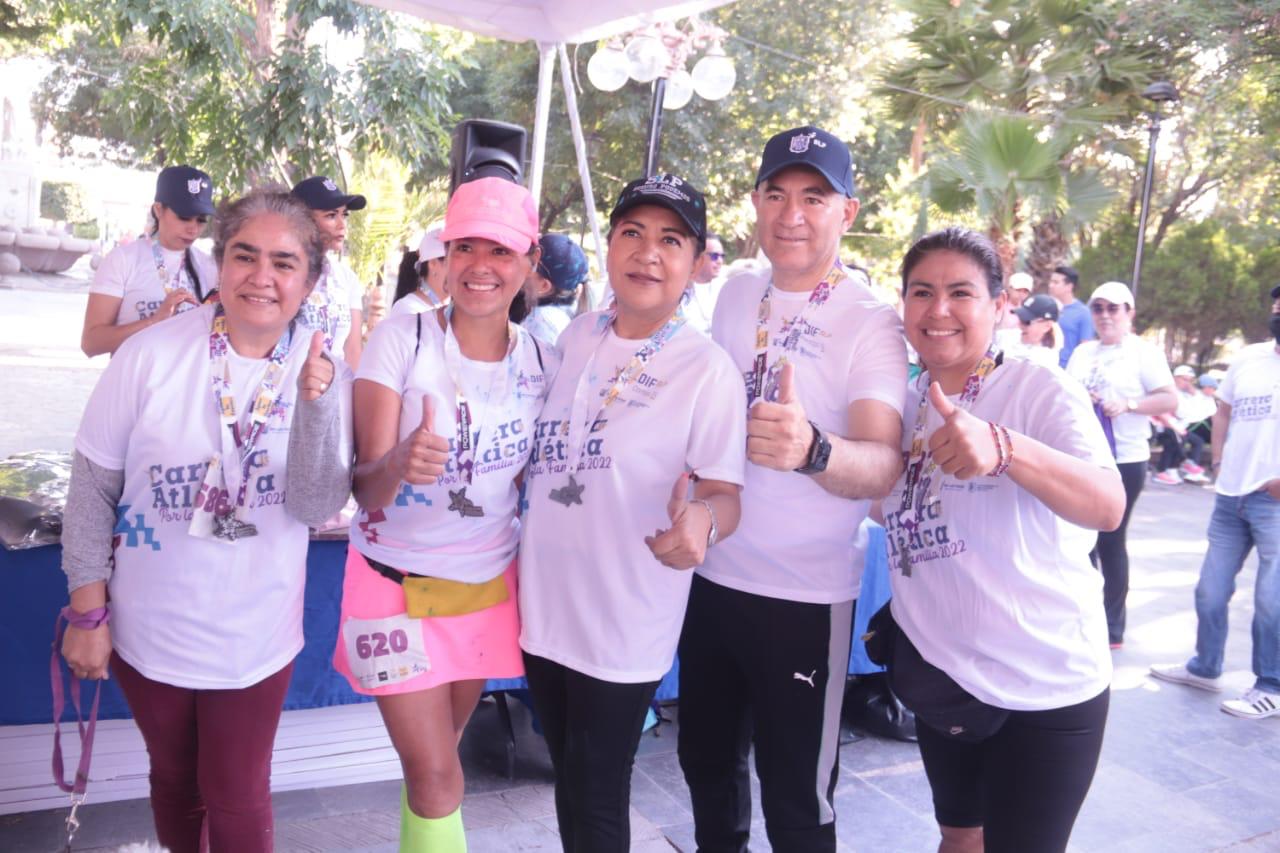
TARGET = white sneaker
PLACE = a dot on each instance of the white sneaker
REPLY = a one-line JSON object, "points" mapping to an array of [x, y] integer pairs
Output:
{"points": [[1253, 705], [1178, 674]]}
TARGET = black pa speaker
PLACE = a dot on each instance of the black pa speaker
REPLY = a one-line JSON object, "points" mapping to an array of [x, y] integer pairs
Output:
{"points": [[486, 149]]}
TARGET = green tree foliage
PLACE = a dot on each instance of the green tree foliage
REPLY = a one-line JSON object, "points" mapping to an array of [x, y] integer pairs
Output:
{"points": [[377, 234], [1010, 93], [796, 63], [1203, 287], [63, 201], [244, 88]]}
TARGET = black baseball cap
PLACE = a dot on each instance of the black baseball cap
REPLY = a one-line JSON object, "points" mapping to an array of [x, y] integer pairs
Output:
{"points": [[669, 191], [813, 147], [1038, 306], [321, 193], [185, 190], [1275, 292]]}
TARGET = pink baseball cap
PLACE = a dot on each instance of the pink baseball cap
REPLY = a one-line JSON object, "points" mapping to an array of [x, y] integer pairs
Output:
{"points": [[494, 209]]}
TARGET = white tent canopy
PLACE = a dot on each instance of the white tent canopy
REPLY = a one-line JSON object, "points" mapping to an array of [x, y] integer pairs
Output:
{"points": [[547, 21], [552, 24]]}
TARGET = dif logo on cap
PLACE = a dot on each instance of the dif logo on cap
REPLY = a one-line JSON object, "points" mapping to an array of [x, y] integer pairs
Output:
{"points": [[812, 147], [185, 190]]}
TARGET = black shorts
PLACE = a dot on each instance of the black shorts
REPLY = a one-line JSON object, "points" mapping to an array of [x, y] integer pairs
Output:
{"points": [[1025, 784]]}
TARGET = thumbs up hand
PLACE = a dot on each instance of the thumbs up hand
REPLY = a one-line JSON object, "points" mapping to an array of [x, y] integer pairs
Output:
{"points": [[779, 434], [962, 446], [420, 458], [684, 544], [316, 374]]}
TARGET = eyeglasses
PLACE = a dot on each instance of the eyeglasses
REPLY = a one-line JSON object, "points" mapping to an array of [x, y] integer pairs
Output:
{"points": [[716, 256], [1107, 307]]}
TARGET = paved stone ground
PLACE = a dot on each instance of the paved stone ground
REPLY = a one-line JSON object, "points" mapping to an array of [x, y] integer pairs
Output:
{"points": [[1176, 773]]}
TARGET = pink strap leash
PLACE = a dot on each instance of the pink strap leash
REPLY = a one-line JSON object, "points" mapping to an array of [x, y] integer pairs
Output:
{"points": [[85, 621]]}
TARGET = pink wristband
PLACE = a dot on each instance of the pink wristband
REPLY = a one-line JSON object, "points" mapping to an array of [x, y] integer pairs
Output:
{"points": [[88, 621]]}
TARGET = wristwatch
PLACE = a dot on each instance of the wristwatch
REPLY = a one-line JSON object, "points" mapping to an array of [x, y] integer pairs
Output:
{"points": [[1131, 404], [819, 453]]}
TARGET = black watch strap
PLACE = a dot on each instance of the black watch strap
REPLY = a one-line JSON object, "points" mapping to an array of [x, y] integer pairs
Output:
{"points": [[819, 453]]}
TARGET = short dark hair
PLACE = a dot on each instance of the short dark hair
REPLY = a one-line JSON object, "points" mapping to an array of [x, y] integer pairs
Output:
{"points": [[977, 247], [1069, 274]]}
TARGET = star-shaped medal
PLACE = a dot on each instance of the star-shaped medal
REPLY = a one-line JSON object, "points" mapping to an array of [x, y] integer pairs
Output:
{"points": [[463, 505], [569, 494]]}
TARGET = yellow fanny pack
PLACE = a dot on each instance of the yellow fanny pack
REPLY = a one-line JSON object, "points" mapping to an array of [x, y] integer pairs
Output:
{"points": [[427, 597]]}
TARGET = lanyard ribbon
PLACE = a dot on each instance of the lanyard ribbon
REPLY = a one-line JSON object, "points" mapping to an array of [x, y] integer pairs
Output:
{"points": [[760, 368], [264, 399], [467, 441], [170, 283], [579, 424], [917, 474]]}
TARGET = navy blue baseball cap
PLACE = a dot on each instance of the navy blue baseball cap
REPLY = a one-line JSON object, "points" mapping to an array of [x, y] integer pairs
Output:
{"points": [[321, 193], [1038, 306], [669, 191], [1275, 292], [185, 190], [562, 263], [813, 147]]}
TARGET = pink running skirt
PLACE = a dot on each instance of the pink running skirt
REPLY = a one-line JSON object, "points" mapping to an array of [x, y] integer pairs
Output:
{"points": [[381, 651]]}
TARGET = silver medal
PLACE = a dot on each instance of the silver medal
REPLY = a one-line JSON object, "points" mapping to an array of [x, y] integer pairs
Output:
{"points": [[463, 505], [568, 494]]}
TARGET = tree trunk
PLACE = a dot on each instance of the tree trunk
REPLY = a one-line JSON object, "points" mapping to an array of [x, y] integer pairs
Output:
{"points": [[1048, 250]]}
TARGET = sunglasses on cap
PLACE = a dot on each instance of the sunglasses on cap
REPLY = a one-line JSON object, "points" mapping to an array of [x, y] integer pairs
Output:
{"points": [[1107, 308]]}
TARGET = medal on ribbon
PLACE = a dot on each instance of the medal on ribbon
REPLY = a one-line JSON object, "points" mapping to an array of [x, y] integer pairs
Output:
{"points": [[918, 492], [219, 517], [579, 425], [469, 434], [764, 376]]}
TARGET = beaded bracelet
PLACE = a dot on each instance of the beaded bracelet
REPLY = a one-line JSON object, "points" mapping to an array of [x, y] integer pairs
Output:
{"points": [[1004, 444], [1004, 447]]}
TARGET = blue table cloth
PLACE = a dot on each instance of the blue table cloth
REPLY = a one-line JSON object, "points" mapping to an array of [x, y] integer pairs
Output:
{"points": [[35, 589]]}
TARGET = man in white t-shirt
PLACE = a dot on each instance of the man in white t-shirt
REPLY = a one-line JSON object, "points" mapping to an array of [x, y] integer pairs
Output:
{"points": [[704, 288], [1246, 514], [765, 645]]}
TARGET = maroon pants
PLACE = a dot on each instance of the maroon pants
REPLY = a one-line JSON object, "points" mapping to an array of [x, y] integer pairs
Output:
{"points": [[210, 756]]}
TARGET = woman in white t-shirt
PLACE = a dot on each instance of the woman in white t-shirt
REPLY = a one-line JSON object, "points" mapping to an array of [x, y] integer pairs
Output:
{"points": [[420, 283], [989, 530], [445, 407], [555, 285], [642, 404], [336, 303], [1129, 381], [154, 277], [209, 445]]}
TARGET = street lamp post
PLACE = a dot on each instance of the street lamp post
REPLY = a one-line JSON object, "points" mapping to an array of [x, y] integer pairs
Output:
{"points": [[1158, 93], [658, 55]]}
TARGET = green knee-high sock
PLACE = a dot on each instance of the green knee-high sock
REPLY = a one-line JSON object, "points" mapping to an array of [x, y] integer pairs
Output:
{"points": [[430, 835]]}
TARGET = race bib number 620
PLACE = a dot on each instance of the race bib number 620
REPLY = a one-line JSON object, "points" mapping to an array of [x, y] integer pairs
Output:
{"points": [[381, 652]]}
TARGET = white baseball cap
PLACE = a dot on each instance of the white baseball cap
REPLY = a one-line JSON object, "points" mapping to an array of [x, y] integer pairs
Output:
{"points": [[1022, 281], [1113, 291], [432, 246]]}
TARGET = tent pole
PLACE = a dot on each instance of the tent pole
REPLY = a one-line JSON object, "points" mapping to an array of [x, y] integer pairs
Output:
{"points": [[546, 68], [655, 127], [584, 169]]}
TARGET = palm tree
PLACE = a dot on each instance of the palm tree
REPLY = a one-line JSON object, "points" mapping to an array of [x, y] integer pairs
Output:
{"points": [[1069, 66]]}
